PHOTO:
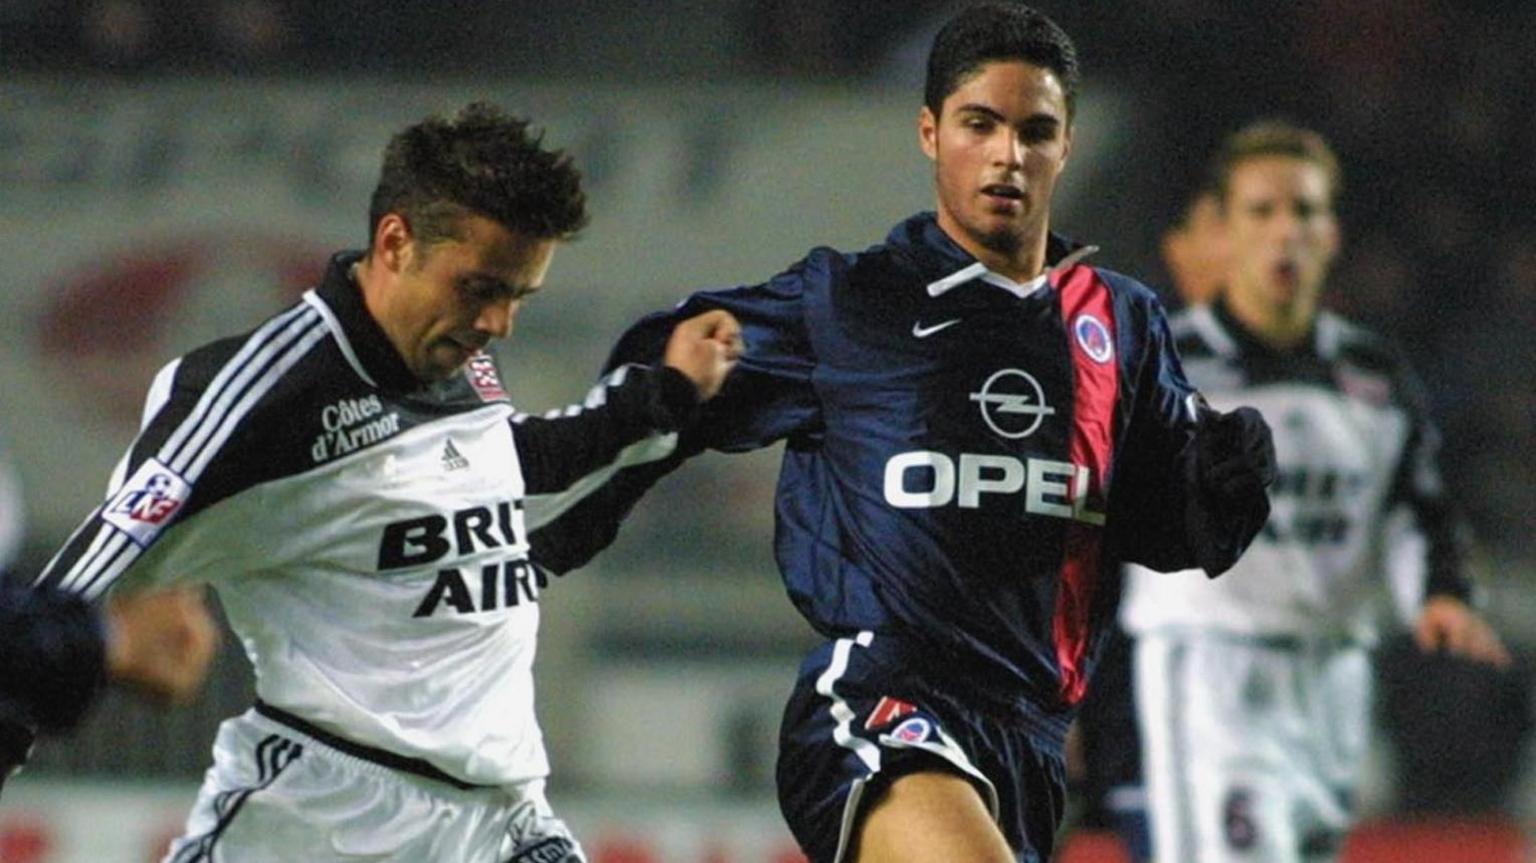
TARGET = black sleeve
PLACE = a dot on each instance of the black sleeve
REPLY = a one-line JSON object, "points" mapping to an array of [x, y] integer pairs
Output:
{"points": [[628, 418], [1232, 467], [1167, 517], [1419, 486], [592, 524], [190, 453], [585, 466], [767, 397]]}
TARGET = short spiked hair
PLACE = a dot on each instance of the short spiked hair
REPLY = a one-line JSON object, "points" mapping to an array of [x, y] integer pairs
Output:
{"points": [[482, 161]]}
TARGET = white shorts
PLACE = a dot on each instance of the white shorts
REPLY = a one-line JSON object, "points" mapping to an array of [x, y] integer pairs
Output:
{"points": [[276, 795], [1252, 747]]}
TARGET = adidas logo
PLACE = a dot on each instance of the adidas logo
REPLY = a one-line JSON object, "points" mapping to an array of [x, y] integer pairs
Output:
{"points": [[452, 458]]}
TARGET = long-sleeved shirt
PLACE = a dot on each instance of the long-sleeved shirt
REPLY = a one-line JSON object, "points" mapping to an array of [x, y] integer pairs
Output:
{"points": [[374, 540], [967, 458]]}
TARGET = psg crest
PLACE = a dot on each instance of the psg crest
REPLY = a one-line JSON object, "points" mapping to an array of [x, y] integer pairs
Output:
{"points": [[1093, 338], [914, 730]]}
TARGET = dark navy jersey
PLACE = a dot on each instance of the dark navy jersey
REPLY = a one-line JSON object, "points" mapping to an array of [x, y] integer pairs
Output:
{"points": [[966, 458]]}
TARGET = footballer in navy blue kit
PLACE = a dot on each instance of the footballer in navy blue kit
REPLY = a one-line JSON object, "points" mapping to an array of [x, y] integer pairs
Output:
{"points": [[978, 428]]}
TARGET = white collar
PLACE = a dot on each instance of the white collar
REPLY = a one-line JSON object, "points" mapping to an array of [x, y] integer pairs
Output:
{"points": [[979, 272]]}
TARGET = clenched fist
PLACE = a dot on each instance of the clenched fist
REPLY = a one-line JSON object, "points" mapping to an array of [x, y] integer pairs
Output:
{"points": [[705, 347], [1235, 455], [161, 642]]}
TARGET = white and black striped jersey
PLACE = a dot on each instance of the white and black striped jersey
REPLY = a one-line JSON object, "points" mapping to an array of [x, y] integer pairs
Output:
{"points": [[378, 544], [1358, 483]]}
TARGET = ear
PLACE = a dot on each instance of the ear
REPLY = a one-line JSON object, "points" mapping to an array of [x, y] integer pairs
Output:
{"points": [[1066, 142], [928, 133], [393, 243]]}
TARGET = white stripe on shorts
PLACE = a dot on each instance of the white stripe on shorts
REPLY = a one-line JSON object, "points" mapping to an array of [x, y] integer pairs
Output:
{"points": [[843, 734]]}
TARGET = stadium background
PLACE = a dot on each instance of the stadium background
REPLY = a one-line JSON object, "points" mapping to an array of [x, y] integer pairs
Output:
{"points": [[171, 171]]}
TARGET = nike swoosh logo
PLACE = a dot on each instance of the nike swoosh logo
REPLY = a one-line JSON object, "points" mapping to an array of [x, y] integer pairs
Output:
{"points": [[923, 332]]}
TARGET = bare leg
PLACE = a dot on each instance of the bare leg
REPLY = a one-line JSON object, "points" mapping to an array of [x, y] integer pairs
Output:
{"points": [[931, 817]]}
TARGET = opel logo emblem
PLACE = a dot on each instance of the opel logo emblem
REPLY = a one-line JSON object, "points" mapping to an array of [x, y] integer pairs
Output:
{"points": [[1012, 403]]}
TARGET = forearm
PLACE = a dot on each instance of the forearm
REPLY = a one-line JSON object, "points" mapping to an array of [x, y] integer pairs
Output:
{"points": [[632, 405]]}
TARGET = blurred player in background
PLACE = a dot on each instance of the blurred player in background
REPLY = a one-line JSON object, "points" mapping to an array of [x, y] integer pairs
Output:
{"points": [[373, 512], [978, 428], [1194, 249], [1108, 745], [1253, 691]]}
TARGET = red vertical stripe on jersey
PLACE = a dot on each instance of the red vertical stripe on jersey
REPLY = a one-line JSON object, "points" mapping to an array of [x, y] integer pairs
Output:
{"points": [[1096, 385]]}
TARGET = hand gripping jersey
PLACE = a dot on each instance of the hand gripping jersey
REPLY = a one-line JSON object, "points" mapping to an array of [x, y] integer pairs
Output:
{"points": [[1355, 449], [967, 458], [376, 542]]}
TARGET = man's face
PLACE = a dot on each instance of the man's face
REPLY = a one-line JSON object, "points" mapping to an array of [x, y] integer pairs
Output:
{"points": [[998, 145], [447, 300], [1282, 233]]}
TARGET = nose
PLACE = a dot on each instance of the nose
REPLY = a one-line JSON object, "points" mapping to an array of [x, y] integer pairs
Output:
{"points": [[1287, 225], [1010, 148], [495, 319]]}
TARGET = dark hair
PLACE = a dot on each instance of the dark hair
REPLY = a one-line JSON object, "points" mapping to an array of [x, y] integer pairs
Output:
{"points": [[483, 162], [1273, 138], [998, 31], [1183, 217]]}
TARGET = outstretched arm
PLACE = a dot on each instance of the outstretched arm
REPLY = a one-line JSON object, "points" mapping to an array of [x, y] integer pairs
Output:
{"points": [[1193, 488], [584, 467], [629, 418], [767, 397]]}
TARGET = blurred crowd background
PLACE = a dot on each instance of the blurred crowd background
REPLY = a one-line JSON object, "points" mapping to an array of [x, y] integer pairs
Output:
{"points": [[683, 624]]}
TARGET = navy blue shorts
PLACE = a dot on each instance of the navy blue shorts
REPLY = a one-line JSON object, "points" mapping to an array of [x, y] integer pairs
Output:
{"points": [[860, 717]]}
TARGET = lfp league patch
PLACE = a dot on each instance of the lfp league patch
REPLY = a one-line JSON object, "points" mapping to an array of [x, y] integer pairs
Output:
{"points": [[1093, 338], [147, 502]]}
